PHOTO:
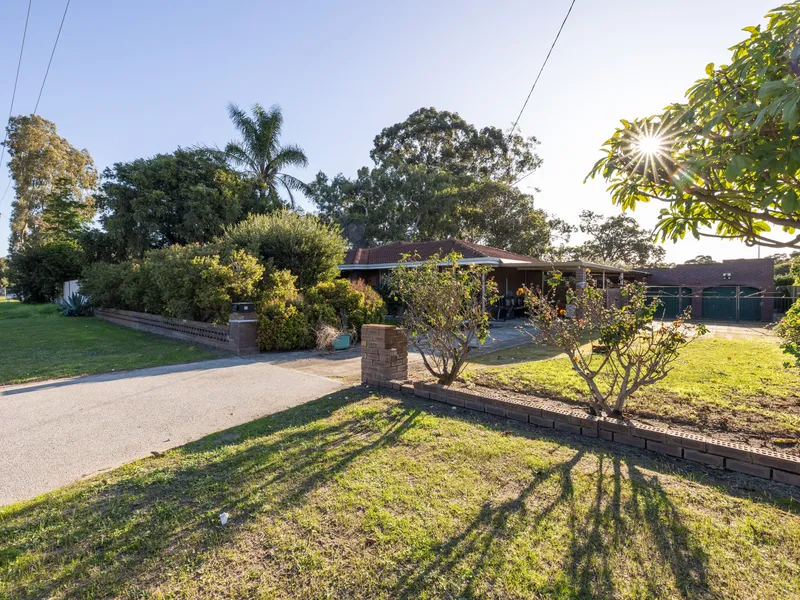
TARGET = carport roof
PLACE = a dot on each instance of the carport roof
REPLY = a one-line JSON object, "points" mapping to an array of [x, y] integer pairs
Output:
{"points": [[389, 256]]}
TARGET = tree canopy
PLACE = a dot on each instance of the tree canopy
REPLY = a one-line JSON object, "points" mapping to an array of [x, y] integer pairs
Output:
{"points": [[46, 170], [617, 239], [437, 176], [261, 153], [184, 197], [726, 161], [700, 259]]}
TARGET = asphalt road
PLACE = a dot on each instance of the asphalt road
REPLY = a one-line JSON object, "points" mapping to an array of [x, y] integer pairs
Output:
{"points": [[53, 433]]}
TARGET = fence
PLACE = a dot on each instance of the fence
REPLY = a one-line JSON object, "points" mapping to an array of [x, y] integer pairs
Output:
{"points": [[238, 336], [785, 297]]}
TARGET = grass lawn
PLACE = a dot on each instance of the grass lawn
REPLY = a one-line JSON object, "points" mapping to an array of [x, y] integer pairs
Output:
{"points": [[737, 388], [368, 496], [38, 343]]}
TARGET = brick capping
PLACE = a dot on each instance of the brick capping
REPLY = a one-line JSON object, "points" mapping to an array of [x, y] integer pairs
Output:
{"points": [[238, 336]]}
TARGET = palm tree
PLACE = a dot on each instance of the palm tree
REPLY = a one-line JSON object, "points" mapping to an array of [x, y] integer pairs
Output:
{"points": [[261, 153]]}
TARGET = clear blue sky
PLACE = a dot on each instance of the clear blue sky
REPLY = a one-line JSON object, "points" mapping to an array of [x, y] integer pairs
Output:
{"points": [[132, 79]]}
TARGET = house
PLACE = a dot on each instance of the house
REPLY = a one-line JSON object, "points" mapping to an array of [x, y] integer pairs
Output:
{"points": [[731, 290], [510, 270]]}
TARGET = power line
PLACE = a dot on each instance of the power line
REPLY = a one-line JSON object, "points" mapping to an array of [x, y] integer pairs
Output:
{"points": [[549, 52], [50, 62], [14, 95]]}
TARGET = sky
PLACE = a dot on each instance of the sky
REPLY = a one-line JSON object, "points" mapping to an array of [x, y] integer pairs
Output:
{"points": [[134, 79]]}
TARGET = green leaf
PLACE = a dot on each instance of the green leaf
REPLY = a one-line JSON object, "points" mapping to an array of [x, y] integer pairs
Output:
{"points": [[770, 88], [752, 29], [789, 203], [710, 69], [735, 167]]}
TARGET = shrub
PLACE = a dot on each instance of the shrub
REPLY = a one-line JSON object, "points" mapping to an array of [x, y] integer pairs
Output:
{"points": [[789, 331], [783, 280], [75, 305], [103, 283], [284, 326], [39, 271], [303, 244], [616, 351], [189, 282], [343, 304], [444, 310]]}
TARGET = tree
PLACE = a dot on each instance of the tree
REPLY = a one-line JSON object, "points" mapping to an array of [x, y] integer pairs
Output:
{"points": [[40, 270], [3, 272], [45, 168], [444, 310], [700, 259], [261, 153], [725, 161], [303, 244], [625, 351], [436, 176], [185, 197], [618, 239]]}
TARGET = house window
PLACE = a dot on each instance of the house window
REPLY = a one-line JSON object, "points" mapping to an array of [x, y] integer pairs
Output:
{"points": [[726, 275]]}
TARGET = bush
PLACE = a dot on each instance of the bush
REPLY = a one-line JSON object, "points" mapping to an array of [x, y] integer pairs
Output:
{"points": [[344, 305], [284, 326], [39, 271], [75, 305], [783, 280], [103, 283], [444, 310], [789, 331], [625, 351], [188, 282], [303, 244]]}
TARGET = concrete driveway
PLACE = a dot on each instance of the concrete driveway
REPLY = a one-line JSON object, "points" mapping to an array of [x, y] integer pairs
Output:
{"points": [[55, 432]]}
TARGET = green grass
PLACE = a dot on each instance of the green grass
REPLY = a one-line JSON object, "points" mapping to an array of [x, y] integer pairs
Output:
{"points": [[368, 496], [38, 343], [735, 386]]}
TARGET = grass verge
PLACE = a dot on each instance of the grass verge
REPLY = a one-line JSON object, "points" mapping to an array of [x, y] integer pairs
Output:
{"points": [[38, 343], [361, 495], [731, 388]]}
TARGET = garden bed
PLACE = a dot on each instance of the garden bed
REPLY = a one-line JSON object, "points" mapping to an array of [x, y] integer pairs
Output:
{"points": [[734, 390]]}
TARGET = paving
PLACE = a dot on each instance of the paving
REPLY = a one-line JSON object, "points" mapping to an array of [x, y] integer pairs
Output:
{"points": [[55, 432]]}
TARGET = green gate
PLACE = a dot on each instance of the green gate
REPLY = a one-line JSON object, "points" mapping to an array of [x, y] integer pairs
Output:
{"points": [[674, 300], [749, 304], [719, 303]]}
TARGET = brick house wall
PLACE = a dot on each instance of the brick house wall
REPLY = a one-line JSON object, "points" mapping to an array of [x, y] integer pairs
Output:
{"points": [[757, 273]]}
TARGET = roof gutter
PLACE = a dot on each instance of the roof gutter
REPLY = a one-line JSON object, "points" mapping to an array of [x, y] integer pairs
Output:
{"points": [[462, 261]]}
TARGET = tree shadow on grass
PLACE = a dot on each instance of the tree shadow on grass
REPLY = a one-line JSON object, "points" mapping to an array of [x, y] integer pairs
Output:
{"points": [[93, 540]]}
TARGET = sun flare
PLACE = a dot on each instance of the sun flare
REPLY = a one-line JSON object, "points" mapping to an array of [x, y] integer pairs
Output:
{"points": [[650, 144]]}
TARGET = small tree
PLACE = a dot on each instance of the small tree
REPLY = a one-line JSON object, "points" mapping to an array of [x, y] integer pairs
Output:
{"points": [[444, 309], [615, 350], [789, 331]]}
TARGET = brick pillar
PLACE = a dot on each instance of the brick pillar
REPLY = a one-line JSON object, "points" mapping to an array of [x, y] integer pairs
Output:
{"points": [[244, 331], [384, 354]]}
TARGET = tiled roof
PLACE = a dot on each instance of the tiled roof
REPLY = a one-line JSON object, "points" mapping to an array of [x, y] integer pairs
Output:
{"points": [[393, 253]]}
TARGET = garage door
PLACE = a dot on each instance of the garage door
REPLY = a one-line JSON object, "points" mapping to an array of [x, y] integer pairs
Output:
{"points": [[749, 304], [674, 300], [719, 303]]}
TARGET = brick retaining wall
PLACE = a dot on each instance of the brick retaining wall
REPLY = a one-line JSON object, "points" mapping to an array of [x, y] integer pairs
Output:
{"points": [[239, 336], [758, 462]]}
